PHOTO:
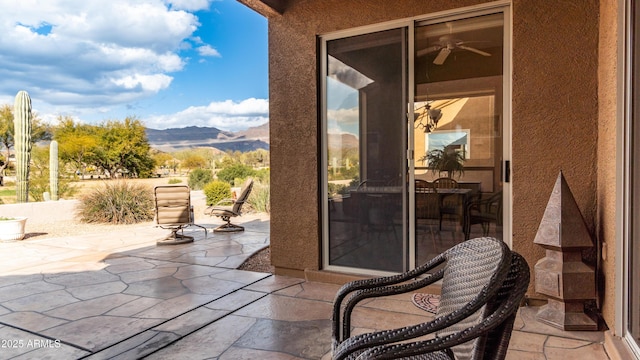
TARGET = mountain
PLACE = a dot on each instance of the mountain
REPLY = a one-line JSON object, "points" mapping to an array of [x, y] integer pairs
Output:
{"points": [[187, 133], [259, 132], [343, 141], [195, 136]]}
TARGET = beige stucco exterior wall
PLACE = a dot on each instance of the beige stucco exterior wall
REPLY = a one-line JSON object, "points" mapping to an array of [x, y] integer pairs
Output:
{"points": [[554, 112], [608, 97]]}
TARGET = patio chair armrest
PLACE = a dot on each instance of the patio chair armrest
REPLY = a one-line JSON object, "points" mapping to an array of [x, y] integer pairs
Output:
{"points": [[377, 287], [407, 349], [386, 337], [215, 206], [502, 314], [227, 201]]}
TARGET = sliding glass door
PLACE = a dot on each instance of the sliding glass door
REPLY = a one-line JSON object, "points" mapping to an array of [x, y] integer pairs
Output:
{"points": [[458, 132], [414, 140], [366, 127]]}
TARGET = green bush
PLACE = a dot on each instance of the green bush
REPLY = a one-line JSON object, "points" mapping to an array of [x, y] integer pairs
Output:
{"points": [[174, 181], [117, 202], [216, 191], [7, 192], [260, 197], [198, 178], [262, 175], [235, 171], [335, 189], [38, 184]]}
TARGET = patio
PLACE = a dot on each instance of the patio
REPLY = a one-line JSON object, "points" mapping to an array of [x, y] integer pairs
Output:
{"points": [[118, 295]]}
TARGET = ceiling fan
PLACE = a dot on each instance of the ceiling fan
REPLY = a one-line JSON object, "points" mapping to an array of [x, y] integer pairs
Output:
{"points": [[446, 44]]}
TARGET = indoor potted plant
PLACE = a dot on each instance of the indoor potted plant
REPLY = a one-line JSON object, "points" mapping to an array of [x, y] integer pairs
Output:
{"points": [[12, 228], [445, 160]]}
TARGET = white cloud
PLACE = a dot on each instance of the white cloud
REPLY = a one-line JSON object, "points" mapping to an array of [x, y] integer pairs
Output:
{"points": [[98, 53], [224, 115], [207, 50], [189, 5], [152, 83]]}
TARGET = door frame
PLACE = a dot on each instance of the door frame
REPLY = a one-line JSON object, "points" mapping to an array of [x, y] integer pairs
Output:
{"points": [[625, 164], [409, 24]]}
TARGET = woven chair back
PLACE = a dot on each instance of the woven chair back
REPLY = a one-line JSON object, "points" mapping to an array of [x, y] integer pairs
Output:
{"points": [[470, 268]]}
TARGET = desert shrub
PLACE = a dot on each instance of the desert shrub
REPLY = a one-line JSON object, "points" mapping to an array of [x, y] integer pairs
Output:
{"points": [[216, 190], [117, 202], [39, 183], [198, 178], [235, 171], [262, 175], [174, 181], [260, 197]]}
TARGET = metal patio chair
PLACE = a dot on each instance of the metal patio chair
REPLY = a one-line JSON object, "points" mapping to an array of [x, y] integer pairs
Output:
{"points": [[174, 212], [228, 208], [483, 283]]}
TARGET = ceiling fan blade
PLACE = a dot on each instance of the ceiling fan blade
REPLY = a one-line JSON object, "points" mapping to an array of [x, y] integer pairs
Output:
{"points": [[442, 56], [483, 53], [428, 50]]}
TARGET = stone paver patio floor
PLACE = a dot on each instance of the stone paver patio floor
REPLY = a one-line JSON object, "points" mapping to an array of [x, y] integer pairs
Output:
{"points": [[119, 296]]}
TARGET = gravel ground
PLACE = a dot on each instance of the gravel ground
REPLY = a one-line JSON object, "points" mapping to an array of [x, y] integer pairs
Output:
{"points": [[44, 230], [259, 262]]}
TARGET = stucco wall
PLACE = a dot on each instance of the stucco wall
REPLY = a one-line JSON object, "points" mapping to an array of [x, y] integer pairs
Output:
{"points": [[293, 115], [554, 108], [608, 96]]}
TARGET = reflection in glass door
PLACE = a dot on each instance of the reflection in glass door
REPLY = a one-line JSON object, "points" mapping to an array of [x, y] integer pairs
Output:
{"points": [[366, 142], [413, 146], [458, 137]]}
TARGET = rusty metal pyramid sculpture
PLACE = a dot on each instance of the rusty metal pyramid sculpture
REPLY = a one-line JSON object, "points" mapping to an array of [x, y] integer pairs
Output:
{"points": [[561, 274]]}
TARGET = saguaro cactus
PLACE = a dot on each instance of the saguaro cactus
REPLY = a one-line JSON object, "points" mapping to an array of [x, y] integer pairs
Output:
{"points": [[22, 143], [53, 169]]}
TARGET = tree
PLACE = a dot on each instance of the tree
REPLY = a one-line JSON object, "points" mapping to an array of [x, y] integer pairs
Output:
{"points": [[194, 162], [39, 178], [39, 131], [77, 143], [235, 171], [162, 159], [122, 146]]}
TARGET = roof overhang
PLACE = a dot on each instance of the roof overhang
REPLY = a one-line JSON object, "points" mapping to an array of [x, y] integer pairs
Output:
{"points": [[266, 8]]}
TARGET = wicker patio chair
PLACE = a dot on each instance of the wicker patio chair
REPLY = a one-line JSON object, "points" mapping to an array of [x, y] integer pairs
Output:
{"points": [[228, 208], [483, 283]]}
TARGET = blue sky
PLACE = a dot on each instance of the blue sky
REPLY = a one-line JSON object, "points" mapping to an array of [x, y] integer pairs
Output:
{"points": [[171, 63]]}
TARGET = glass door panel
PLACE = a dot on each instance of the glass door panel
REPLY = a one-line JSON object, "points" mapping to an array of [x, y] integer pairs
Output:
{"points": [[366, 146], [458, 137]]}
